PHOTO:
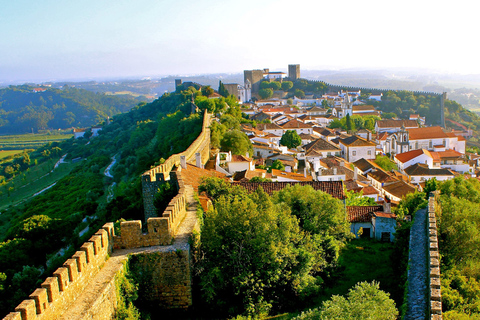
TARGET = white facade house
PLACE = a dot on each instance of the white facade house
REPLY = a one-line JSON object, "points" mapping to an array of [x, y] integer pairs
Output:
{"points": [[355, 148]]}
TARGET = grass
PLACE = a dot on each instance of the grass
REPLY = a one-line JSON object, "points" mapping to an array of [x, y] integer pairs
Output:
{"points": [[34, 180], [6, 153], [362, 260], [30, 141]]}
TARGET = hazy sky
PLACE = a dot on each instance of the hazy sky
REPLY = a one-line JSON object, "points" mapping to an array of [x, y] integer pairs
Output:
{"points": [[54, 40]]}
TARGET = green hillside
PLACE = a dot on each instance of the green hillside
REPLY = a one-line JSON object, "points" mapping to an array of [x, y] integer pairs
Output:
{"points": [[22, 110]]}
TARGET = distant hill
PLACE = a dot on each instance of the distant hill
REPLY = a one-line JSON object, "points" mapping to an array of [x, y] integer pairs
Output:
{"points": [[26, 108]]}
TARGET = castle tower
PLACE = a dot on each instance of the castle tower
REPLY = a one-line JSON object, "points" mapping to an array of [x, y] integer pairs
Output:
{"points": [[294, 71], [254, 77], [178, 82]]}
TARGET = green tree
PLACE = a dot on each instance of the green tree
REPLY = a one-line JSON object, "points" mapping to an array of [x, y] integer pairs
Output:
{"points": [[237, 142], [265, 93], [277, 165], [364, 301], [299, 93], [291, 139], [287, 85], [207, 91], [385, 163], [275, 85], [357, 199], [349, 123], [222, 90], [250, 256]]}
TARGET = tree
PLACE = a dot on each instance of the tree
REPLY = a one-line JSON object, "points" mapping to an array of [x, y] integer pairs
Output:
{"points": [[275, 85], [349, 123], [207, 91], [287, 85], [222, 90], [251, 255], [237, 142], [358, 199], [266, 93], [385, 163], [291, 139], [299, 93], [364, 301], [277, 165]]}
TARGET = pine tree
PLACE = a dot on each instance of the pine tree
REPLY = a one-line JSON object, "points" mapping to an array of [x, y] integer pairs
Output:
{"points": [[221, 90]]}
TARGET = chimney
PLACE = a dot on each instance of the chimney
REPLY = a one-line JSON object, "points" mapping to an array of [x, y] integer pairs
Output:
{"points": [[248, 155], [342, 163], [198, 159], [334, 171], [387, 207], [183, 162], [305, 172]]}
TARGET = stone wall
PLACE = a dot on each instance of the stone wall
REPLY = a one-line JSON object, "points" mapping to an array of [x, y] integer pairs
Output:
{"points": [[154, 177], [168, 284], [57, 293], [435, 295]]}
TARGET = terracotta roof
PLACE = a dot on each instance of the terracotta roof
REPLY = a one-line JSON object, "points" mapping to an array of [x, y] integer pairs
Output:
{"points": [[295, 123], [426, 133], [240, 158], [320, 145], [449, 153], [368, 190], [324, 132], [362, 107], [290, 175], [397, 123], [382, 136], [399, 189], [414, 116], [409, 155], [364, 164], [356, 141], [266, 126], [385, 215], [334, 188], [420, 169], [362, 213], [381, 176], [192, 175]]}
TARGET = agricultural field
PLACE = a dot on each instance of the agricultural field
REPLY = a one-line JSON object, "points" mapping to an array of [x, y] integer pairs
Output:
{"points": [[29, 141], [7, 153]]}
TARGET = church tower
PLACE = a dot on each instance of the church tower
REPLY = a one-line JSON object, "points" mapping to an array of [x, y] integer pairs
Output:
{"points": [[403, 140], [347, 106]]}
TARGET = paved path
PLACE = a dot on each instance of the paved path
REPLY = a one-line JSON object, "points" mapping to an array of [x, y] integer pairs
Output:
{"points": [[417, 274], [99, 283]]}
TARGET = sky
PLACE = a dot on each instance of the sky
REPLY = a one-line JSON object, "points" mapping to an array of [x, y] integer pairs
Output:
{"points": [[51, 40]]}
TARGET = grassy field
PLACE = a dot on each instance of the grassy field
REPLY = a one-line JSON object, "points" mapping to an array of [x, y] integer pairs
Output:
{"points": [[30, 141], [6, 153], [361, 260]]}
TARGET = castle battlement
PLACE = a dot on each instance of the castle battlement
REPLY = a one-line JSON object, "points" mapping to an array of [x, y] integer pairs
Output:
{"points": [[57, 293]]}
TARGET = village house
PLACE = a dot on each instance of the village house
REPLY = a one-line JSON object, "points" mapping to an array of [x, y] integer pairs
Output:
{"points": [[392, 126], [354, 148], [372, 222], [419, 173]]}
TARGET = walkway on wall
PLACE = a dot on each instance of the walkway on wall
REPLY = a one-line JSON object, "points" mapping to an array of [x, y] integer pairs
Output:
{"points": [[417, 297], [99, 285]]}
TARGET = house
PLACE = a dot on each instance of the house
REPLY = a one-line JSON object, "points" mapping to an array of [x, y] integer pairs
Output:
{"points": [[229, 164], [397, 190], [355, 147], [316, 111], [298, 126], [270, 128], [419, 173], [95, 131], [409, 158], [262, 150], [363, 109], [289, 161], [283, 176], [365, 166], [379, 179], [319, 149], [376, 97], [391, 125], [374, 222], [261, 116], [416, 117], [79, 133], [325, 133]]}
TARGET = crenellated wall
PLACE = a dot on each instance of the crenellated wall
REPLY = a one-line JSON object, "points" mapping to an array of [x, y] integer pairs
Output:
{"points": [[153, 178], [435, 294], [172, 284], [57, 293]]}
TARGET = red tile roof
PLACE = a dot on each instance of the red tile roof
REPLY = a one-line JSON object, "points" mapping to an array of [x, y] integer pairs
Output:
{"points": [[426, 133], [362, 213], [192, 175], [397, 123], [409, 155], [334, 188]]}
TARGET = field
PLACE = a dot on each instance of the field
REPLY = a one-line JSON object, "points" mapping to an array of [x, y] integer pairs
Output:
{"points": [[25, 186], [30, 141], [6, 153]]}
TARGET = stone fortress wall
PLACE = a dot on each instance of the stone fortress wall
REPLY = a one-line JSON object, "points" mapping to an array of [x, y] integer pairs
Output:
{"points": [[198, 151], [171, 268], [57, 293], [434, 292]]}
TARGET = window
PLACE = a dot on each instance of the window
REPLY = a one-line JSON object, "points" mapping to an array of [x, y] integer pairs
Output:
{"points": [[354, 153], [369, 152]]}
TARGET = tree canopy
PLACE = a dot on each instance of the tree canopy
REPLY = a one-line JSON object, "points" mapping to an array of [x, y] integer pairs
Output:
{"points": [[291, 139]]}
